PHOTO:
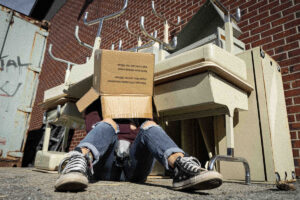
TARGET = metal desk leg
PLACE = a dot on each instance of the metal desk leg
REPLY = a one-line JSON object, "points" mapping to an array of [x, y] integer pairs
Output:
{"points": [[229, 134], [65, 138], [46, 137], [232, 159], [230, 150]]}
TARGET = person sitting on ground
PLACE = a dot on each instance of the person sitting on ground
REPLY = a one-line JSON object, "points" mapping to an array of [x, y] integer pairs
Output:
{"points": [[98, 156]]}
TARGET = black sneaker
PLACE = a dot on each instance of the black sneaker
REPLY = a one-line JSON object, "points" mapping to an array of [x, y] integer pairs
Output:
{"points": [[74, 169], [188, 175]]}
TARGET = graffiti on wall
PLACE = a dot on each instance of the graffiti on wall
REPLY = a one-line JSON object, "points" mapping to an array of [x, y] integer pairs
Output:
{"points": [[7, 63], [6, 93], [9, 89]]}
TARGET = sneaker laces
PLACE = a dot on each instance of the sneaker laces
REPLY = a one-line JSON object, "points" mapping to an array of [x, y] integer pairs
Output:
{"points": [[189, 165], [75, 162]]}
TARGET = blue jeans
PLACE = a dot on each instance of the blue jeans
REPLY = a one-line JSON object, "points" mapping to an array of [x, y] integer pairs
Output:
{"points": [[151, 143]]}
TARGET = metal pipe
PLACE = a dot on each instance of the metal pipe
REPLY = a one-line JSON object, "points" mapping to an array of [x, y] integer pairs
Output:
{"points": [[165, 45], [58, 59], [150, 44], [102, 19], [129, 31], [78, 39], [164, 18], [132, 33], [111, 16], [147, 45], [232, 159], [225, 10], [120, 45], [142, 26], [238, 14]]}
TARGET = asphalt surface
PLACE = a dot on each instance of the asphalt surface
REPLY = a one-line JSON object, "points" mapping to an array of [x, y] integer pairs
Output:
{"points": [[25, 183]]}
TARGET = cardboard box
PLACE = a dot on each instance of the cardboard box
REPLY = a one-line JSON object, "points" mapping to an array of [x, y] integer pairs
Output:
{"points": [[124, 80]]}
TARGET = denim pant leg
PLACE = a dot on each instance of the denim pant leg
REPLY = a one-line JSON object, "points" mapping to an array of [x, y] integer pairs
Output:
{"points": [[101, 141], [151, 143]]}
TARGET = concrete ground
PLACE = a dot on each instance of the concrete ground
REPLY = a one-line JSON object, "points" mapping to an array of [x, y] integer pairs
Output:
{"points": [[25, 183]]}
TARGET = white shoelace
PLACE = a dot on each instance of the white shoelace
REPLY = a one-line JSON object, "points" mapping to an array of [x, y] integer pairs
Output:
{"points": [[191, 164], [75, 162]]}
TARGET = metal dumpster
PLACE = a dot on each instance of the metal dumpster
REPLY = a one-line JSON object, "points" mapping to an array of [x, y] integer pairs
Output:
{"points": [[22, 46]]}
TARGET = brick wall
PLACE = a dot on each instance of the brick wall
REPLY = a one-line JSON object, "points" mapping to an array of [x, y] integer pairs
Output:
{"points": [[272, 24]]}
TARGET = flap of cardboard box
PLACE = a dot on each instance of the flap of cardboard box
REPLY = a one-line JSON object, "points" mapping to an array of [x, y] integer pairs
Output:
{"points": [[126, 107], [87, 99], [123, 73]]}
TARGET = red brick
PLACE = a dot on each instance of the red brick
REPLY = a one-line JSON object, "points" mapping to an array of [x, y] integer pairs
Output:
{"points": [[250, 14], [271, 31], [293, 109], [296, 144], [297, 170], [284, 33], [287, 47], [295, 153], [284, 70], [292, 24], [283, 1], [287, 86], [273, 44], [296, 84], [295, 68], [256, 5], [282, 20], [291, 118], [297, 100], [260, 42], [250, 26], [268, 6], [234, 6], [290, 77], [294, 53], [290, 61], [293, 38], [288, 101], [246, 4], [293, 134], [259, 17], [270, 18], [295, 126], [244, 35], [270, 52], [280, 57], [293, 9], [243, 23], [293, 92], [260, 29], [280, 7], [251, 39], [298, 117]]}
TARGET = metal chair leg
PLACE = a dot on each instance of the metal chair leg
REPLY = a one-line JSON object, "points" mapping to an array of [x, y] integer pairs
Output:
{"points": [[231, 159]]}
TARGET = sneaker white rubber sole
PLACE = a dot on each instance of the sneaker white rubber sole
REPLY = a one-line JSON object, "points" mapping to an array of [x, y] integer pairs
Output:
{"points": [[204, 181], [73, 181]]}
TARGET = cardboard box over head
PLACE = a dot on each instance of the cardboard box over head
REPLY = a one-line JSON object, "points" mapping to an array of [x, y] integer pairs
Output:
{"points": [[124, 80]]}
